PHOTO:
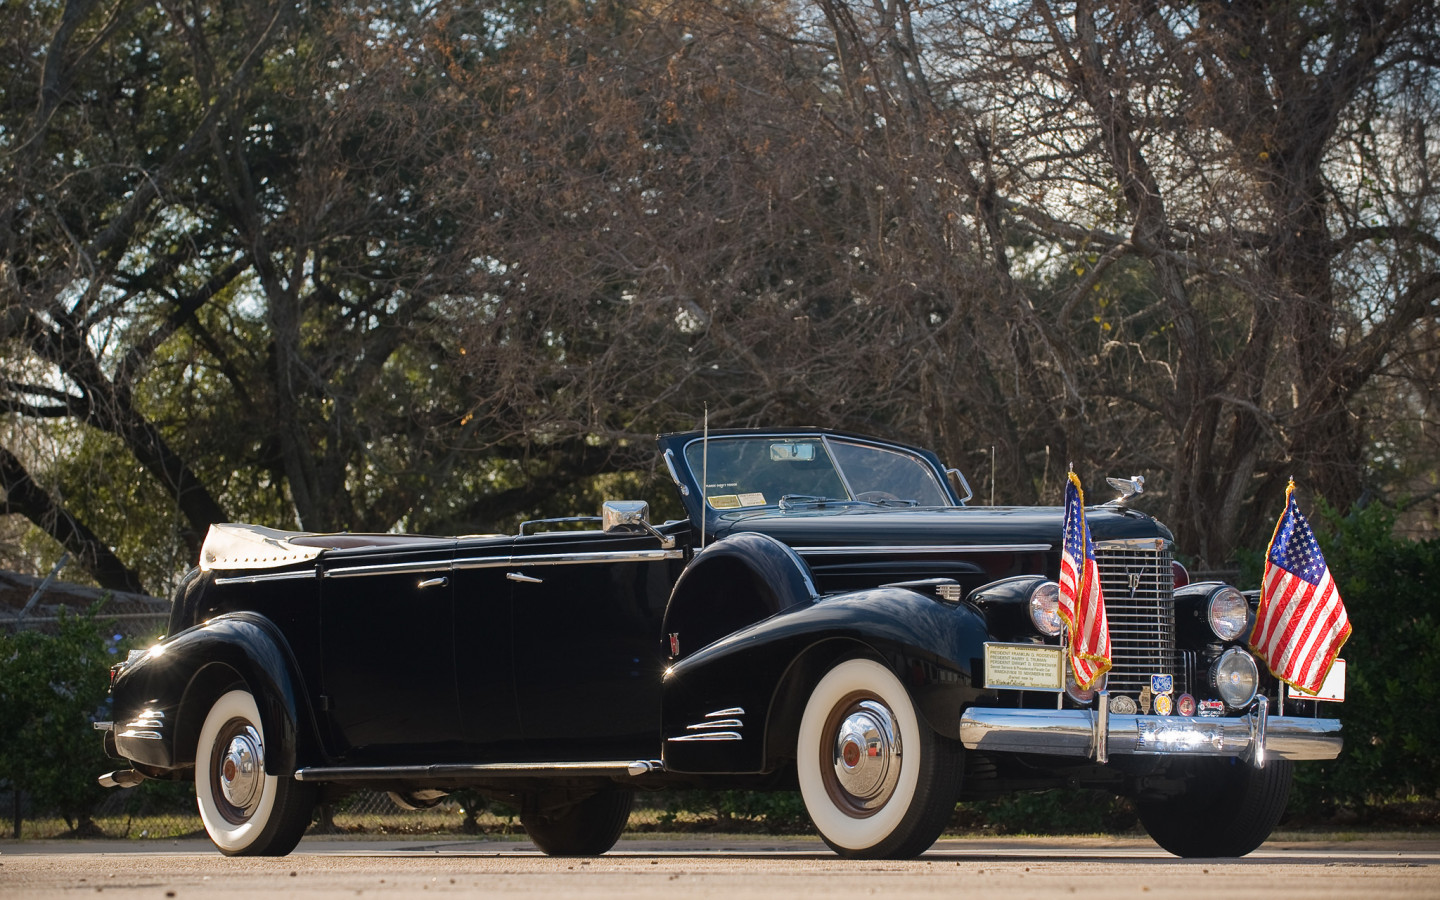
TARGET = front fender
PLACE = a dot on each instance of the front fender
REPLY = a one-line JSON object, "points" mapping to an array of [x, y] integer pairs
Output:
{"points": [[759, 678], [162, 698], [733, 582]]}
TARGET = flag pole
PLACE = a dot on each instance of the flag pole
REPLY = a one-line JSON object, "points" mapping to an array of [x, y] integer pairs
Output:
{"points": [[704, 471]]}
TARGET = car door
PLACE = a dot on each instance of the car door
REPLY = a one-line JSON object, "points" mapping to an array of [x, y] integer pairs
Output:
{"points": [[388, 655], [586, 614], [490, 719]]}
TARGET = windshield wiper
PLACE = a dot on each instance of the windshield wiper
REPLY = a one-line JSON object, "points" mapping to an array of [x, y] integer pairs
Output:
{"points": [[789, 501]]}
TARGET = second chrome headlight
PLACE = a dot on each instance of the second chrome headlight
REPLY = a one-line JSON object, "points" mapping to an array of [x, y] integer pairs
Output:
{"points": [[1235, 677]]}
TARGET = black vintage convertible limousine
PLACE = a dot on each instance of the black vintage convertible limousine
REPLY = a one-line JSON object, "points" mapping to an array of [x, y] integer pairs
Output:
{"points": [[831, 616]]}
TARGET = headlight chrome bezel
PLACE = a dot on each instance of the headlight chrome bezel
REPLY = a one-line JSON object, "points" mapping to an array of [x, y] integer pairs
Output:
{"points": [[1227, 612], [1044, 609]]}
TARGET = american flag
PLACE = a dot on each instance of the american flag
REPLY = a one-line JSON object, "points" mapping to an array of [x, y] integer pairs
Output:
{"points": [[1082, 606], [1302, 624]]}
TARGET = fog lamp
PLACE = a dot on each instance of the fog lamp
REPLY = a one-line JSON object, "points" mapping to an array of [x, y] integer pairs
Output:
{"points": [[1074, 691], [1045, 608], [1235, 677]]}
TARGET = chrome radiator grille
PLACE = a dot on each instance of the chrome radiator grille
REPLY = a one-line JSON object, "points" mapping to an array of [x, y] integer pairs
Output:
{"points": [[1138, 584]]}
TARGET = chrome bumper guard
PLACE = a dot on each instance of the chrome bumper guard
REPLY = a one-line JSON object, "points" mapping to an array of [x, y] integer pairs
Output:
{"points": [[1099, 735]]}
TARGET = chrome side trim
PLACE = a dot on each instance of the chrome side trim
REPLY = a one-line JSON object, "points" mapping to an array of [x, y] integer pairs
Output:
{"points": [[707, 736], [146, 726], [923, 548], [598, 556], [273, 576], [445, 771], [141, 735], [566, 559], [1073, 732], [482, 562], [714, 724], [389, 568], [720, 725]]}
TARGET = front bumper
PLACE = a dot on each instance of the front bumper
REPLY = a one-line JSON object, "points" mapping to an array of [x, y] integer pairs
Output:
{"points": [[1099, 734]]}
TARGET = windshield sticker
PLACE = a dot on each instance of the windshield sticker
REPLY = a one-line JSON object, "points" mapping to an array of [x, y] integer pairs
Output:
{"points": [[725, 501], [756, 499]]}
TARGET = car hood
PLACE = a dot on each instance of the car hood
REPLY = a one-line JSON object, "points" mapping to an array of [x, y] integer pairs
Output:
{"points": [[987, 526]]}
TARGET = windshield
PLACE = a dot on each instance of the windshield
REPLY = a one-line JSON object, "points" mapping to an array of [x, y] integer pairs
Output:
{"points": [[743, 472]]}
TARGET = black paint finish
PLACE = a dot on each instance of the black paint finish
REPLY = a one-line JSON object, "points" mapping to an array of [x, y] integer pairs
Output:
{"points": [[410, 655]]}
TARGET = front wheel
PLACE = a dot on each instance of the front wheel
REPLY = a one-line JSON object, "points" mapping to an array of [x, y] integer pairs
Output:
{"points": [[1228, 809], [587, 828], [877, 781], [246, 812]]}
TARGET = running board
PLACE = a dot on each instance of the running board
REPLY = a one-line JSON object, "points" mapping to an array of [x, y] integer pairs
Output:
{"points": [[483, 770]]}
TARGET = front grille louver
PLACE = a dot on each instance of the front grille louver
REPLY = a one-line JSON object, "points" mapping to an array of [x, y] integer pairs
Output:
{"points": [[1138, 583]]}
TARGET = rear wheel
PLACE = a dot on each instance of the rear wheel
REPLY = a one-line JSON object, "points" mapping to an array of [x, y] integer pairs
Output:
{"points": [[877, 781], [587, 828], [246, 812], [1228, 809]]}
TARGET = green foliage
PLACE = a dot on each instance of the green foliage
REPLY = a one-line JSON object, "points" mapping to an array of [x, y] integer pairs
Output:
{"points": [[1391, 589], [52, 687]]}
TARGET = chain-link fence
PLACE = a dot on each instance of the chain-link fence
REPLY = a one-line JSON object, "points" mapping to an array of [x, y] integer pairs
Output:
{"points": [[35, 604], [160, 810]]}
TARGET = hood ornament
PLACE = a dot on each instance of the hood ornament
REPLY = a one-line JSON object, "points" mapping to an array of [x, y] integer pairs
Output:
{"points": [[1128, 487]]}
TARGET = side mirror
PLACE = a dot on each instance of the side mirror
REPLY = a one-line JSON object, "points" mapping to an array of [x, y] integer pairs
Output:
{"points": [[630, 516]]}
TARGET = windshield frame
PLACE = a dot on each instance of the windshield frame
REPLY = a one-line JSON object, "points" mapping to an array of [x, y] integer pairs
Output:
{"points": [[929, 463]]}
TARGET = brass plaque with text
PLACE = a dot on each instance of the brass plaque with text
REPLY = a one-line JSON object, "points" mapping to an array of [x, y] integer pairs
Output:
{"points": [[1030, 667]]}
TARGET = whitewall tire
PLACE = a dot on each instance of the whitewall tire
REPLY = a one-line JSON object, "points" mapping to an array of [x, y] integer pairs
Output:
{"points": [[876, 780], [246, 811]]}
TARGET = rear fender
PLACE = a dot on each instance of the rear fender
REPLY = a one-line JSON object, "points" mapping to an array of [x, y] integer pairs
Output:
{"points": [[735, 705], [181, 678]]}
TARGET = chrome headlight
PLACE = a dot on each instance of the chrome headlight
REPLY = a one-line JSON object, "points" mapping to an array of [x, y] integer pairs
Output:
{"points": [[1228, 613], [1045, 608], [1235, 677]]}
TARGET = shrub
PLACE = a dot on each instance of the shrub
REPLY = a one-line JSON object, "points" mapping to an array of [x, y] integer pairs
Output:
{"points": [[52, 687], [1391, 589]]}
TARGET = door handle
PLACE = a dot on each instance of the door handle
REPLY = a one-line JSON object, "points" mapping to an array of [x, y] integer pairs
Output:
{"points": [[524, 579], [435, 582]]}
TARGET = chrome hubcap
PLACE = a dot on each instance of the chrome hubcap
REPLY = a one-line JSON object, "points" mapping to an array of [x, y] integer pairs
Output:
{"points": [[242, 769], [867, 755]]}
